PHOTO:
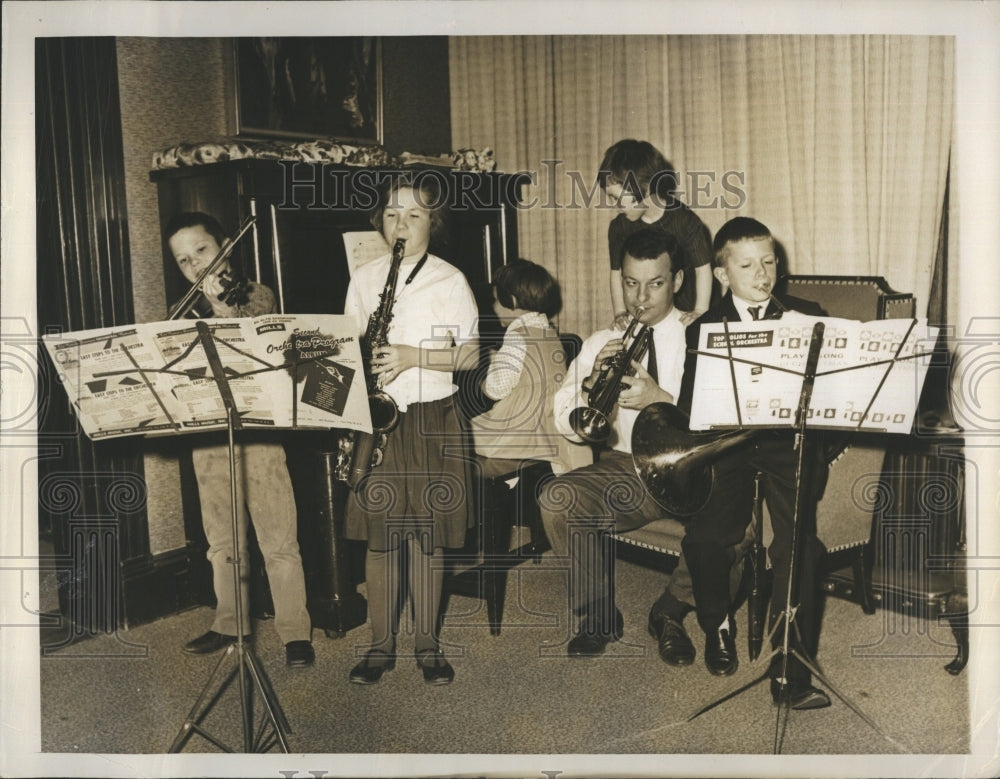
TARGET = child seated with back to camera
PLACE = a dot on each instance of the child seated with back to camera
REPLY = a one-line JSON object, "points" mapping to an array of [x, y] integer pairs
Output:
{"points": [[524, 374]]}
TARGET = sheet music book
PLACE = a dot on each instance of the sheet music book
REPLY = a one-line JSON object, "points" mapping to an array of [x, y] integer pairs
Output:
{"points": [[363, 247], [868, 378], [300, 371]]}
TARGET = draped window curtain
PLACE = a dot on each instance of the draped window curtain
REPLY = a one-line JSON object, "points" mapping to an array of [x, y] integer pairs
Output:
{"points": [[91, 497], [840, 144]]}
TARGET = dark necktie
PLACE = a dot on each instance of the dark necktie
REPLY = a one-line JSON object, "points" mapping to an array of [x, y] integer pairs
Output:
{"points": [[755, 312], [651, 363]]}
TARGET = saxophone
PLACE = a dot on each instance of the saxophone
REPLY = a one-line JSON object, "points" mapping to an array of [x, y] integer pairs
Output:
{"points": [[360, 452]]}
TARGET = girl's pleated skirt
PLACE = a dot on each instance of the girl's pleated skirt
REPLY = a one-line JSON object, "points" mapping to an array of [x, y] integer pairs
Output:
{"points": [[422, 486]]}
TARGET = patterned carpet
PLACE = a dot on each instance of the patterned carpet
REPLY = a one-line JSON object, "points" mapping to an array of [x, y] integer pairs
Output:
{"points": [[517, 696]]}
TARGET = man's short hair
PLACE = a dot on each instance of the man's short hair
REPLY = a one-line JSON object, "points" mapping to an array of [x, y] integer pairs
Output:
{"points": [[649, 244]]}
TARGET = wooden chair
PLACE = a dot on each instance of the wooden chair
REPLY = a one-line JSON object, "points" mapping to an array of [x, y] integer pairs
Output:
{"points": [[506, 495], [847, 511]]}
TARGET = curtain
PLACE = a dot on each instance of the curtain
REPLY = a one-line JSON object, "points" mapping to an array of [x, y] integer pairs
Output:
{"points": [[91, 496], [838, 143]]}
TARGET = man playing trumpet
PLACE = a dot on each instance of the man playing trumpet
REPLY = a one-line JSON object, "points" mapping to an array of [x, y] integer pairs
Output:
{"points": [[581, 507]]}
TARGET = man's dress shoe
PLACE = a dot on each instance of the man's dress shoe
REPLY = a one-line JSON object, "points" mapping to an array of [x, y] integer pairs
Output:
{"points": [[209, 642], [372, 666], [299, 654], [720, 652], [801, 696], [437, 670], [673, 641], [590, 639]]}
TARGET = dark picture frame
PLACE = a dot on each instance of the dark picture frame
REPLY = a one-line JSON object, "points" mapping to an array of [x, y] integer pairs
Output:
{"points": [[303, 87]]}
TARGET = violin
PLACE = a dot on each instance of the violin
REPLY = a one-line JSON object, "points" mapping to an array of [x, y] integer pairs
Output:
{"points": [[235, 292], [235, 288], [235, 284]]}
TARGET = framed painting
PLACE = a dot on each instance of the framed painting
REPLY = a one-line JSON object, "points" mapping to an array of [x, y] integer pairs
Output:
{"points": [[309, 88]]}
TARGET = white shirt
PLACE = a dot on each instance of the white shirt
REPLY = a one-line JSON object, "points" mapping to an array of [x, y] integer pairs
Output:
{"points": [[743, 308], [508, 362], [668, 336], [430, 312]]}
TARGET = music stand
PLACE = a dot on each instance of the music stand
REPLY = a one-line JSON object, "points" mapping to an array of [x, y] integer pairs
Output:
{"points": [[118, 396], [786, 618], [241, 654]]}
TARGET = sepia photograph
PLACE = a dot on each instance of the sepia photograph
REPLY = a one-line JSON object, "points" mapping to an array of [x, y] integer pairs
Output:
{"points": [[500, 389]]}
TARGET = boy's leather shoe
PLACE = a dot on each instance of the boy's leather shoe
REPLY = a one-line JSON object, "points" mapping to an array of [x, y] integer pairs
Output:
{"points": [[208, 643], [372, 666], [801, 696], [720, 652], [437, 670], [672, 640], [299, 654], [590, 641]]}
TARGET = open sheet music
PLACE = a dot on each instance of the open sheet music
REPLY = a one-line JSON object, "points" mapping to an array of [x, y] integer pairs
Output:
{"points": [[284, 370], [869, 374]]}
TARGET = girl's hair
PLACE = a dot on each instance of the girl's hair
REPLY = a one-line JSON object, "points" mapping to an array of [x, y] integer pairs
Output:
{"points": [[531, 284], [427, 186], [187, 219], [739, 228], [639, 168]]}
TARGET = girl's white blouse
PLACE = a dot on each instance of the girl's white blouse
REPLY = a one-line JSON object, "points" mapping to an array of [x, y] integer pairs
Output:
{"points": [[434, 310]]}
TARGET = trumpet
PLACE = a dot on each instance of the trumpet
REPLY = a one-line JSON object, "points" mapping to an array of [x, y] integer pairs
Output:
{"points": [[231, 287], [592, 422]]}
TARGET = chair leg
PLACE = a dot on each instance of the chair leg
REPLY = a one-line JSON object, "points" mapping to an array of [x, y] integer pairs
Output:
{"points": [[862, 566], [527, 507], [958, 619], [756, 558], [960, 630], [496, 590], [497, 521]]}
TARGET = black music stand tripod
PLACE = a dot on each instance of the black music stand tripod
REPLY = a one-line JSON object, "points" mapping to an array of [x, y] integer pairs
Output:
{"points": [[786, 618], [275, 725]]}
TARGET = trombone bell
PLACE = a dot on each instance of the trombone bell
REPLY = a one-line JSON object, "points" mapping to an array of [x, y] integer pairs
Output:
{"points": [[675, 465]]}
